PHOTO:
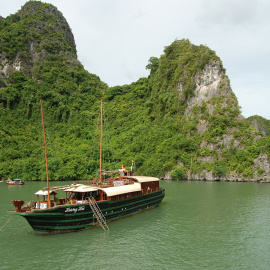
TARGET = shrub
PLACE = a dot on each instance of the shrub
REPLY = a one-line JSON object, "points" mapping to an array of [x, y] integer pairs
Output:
{"points": [[178, 173], [220, 171]]}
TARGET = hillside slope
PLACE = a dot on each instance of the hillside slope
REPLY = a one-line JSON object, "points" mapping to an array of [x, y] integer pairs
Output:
{"points": [[38, 61], [182, 122], [192, 125]]}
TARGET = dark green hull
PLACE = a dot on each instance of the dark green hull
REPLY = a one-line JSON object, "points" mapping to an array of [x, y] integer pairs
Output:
{"points": [[69, 218]]}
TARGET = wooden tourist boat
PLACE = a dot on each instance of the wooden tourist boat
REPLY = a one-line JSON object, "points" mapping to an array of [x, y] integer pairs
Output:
{"points": [[15, 182], [89, 204]]}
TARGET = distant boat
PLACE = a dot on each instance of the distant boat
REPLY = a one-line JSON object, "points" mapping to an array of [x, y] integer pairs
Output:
{"points": [[15, 182], [89, 204]]}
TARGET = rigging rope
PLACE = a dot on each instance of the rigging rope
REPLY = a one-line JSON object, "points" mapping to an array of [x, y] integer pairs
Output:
{"points": [[53, 153], [107, 150], [108, 158], [110, 143], [94, 151], [6, 223]]}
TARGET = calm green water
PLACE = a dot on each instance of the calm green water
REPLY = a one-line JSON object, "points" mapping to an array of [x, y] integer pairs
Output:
{"points": [[199, 225]]}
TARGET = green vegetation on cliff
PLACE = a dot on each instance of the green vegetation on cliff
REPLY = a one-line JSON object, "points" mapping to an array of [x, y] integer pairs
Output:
{"points": [[260, 123], [182, 121]]}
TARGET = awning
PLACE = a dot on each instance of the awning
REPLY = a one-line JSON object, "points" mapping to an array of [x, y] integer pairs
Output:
{"points": [[81, 188], [112, 191], [41, 192], [142, 179]]}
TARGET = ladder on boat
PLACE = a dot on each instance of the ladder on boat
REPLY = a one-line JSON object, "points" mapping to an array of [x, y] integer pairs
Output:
{"points": [[97, 213]]}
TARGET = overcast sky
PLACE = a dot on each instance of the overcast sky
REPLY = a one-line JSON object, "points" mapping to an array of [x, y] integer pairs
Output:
{"points": [[116, 38]]}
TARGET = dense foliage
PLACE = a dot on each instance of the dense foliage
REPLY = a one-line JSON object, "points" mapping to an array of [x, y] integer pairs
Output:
{"points": [[147, 121], [260, 123]]}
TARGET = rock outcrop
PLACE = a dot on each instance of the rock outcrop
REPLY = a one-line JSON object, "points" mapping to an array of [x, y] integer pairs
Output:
{"points": [[213, 102], [52, 36], [261, 124]]}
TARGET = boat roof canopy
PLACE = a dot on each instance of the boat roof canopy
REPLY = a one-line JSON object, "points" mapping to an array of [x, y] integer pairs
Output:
{"points": [[81, 188], [142, 179], [112, 191], [44, 192]]}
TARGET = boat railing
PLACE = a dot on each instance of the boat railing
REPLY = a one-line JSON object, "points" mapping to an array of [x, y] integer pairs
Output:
{"points": [[84, 182], [109, 182]]}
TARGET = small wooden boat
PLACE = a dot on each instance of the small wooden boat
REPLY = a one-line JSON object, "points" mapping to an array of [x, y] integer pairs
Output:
{"points": [[15, 182]]}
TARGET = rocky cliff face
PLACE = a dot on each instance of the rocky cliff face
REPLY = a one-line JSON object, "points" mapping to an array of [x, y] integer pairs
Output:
{"points": [[261, 124], [55, 22], [37, 39], [224, 145], [211, 84]]}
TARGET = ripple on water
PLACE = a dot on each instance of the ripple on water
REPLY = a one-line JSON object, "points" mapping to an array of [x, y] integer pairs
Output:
{"points": [[199, 225]]}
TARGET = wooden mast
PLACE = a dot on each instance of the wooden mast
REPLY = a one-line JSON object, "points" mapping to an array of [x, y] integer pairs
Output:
{"points": [[46, 158], [100, 154]]}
